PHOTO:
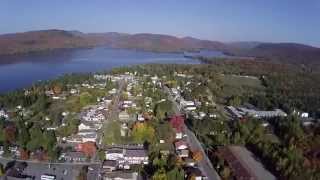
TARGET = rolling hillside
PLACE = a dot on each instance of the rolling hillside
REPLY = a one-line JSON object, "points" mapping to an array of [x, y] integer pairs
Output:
{"points": [[58, 39], [35, 41]]}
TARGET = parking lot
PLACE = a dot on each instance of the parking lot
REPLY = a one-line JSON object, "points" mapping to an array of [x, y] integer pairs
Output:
{"points": [[62, 171]]}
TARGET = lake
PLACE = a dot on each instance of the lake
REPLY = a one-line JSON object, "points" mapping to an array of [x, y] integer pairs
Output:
{"points": [[23, 70]]}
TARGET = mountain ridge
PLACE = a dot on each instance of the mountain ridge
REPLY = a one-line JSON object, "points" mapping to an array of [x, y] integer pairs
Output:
{"points": [[43, 40]]}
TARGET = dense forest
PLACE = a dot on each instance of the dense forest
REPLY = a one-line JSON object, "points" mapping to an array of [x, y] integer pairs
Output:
{"points": [[287, 86]]}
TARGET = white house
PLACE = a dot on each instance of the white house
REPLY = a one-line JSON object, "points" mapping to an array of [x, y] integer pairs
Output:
{"points": [[112, 91], [140, 117], [109, 165], [3, 114], [136, 156], [304, 115], [86, 126], [202, 114], [90, 137], [124, 116], [180, 145], [184, 153], [179, 135], [190, 108], [74, 91], [114, 154]]}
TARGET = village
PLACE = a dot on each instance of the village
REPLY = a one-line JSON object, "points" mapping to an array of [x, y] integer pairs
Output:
{"points": [[135, 122], [125, 108]]}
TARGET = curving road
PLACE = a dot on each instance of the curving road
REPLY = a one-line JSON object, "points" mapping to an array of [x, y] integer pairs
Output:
{"points": [[205, 164]]}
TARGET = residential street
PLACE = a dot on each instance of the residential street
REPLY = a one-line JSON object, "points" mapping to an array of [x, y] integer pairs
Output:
{"points": [[113, 111], [205, 164]]}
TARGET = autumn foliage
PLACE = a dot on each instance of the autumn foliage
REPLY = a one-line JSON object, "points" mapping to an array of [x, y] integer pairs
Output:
{"points": [[197, 156], [10, 133], [24, 154]]}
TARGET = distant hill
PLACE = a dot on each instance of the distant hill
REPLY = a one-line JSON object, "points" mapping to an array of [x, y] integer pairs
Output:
{"points": [[35, 41], [283, 52], [155, 42], [243, 44]]}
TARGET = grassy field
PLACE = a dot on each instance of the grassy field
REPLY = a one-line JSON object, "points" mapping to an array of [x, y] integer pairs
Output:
{"points": [[248, 81], [240, 85]]}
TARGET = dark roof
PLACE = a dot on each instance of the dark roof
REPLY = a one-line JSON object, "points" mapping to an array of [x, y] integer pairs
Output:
{"points": [[114, 150], [193, 171], [135, 153], [110, 163]]}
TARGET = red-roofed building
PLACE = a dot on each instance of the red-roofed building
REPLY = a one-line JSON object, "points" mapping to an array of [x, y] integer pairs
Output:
{"points": [[88, 148], [180, 145], [177, 123]]}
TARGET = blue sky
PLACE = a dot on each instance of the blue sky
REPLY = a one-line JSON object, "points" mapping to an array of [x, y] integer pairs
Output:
{"points": [[224, 20]]}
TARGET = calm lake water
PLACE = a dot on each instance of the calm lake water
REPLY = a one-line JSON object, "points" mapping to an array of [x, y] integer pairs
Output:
{"points": [[27, 69]]}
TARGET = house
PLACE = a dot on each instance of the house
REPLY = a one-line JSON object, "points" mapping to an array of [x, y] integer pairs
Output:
{"points": [[109, 165], [186, 103], [190, 108], [140, 117], [73, 156], [189, 162], [112, 91], [174, 91], [124, 129], [128, 155], [88, 148], [202, 114], [136, 156], [124, 166], [179, 134], [177, 123], [114, 154], [184, 153], [3, 114], [73, 139], [181, 145], [90, 137], [304, 115], [120, 175], [124, 116], [74, 91], [93, 115], [241, 112], [87, 126], [194, 173]]}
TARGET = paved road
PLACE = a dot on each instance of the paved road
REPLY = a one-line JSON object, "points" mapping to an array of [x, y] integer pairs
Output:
{"points": [[63, 171], [113, 111], [251, 163], [205, 164]]}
